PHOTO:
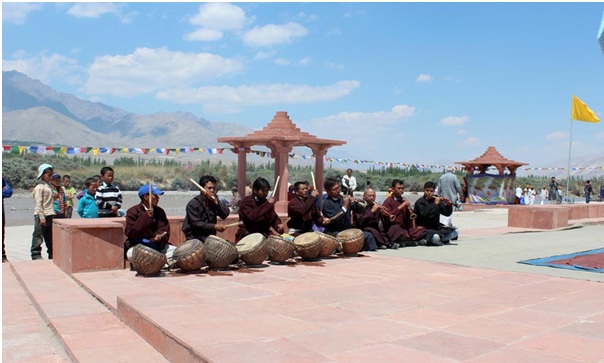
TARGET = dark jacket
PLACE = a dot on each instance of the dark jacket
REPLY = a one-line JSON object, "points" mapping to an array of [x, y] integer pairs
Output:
{"points": [[140, 228], [202, 215], [257, 217], [303, 213]]}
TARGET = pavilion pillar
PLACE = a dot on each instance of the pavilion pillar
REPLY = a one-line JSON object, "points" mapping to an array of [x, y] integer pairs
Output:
{"points": [[281, 170], [241, 168], [319, 167]]}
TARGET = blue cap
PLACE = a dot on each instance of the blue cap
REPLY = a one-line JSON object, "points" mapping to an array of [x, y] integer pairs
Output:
{"points": [[145, 190]]}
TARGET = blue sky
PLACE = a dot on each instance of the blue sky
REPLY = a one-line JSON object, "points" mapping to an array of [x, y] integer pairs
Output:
{"points": [[400, 82]]}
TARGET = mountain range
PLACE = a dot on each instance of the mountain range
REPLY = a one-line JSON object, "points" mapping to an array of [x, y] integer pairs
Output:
{"points": [[33, 112]]}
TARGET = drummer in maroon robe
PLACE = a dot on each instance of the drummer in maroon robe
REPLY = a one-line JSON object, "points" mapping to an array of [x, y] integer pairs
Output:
{"points": [[303, 211], [400, 228], [370, 219], [258, 213]]}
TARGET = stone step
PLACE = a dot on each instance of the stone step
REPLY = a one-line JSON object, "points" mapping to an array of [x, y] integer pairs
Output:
{"points": [[88, 331]]}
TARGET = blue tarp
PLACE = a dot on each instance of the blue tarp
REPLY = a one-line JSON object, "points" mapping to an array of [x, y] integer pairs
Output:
{"points": [[546, 261]]}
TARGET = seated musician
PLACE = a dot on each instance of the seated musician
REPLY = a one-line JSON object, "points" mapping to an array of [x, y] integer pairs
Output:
{"points": [[303, 211], [400, 227], [370, 219], [203, 211], [428, 210], [337, 211], [258, 213], [147, 223]]}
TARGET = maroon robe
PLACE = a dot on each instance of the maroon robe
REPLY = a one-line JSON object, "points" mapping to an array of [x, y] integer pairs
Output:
{"points": [[370, 222], [257, 217], [303, 213], [402, 225]]}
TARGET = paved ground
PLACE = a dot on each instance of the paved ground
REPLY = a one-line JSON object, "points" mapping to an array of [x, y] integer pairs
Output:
{"points": [[515, 324]]}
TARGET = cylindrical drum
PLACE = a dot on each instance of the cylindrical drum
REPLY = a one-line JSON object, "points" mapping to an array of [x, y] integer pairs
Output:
{"points": [[252, 249], [308, 245], [352, 241], [220, 253], [329, 244], [147, 261], [190, 256], [280, 249]]}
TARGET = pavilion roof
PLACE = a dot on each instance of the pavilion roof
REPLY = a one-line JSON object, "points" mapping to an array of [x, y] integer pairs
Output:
{"points": [[281, 128], [491, 157]]}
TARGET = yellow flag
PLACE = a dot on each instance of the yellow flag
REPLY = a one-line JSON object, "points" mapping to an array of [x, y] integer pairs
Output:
{"points": [[581, 112]]}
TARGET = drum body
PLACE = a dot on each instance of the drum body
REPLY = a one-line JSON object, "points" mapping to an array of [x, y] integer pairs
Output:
{"points": [[220, 253], [352, 241], [147, 261], [329, 244], [190, 256], [308, 245], [252, 249], [280, 249]]}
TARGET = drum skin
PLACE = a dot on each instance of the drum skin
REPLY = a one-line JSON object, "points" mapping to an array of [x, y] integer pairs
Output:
{"points": [[252, 249], [308, 245]]}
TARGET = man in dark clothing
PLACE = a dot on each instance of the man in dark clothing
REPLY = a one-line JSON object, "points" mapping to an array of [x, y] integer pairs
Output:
{"points": [[303, 211], [399, 225], [369, 219], [337, 211], [428, 210], [147, 223], [203, 212], [258, 213]]}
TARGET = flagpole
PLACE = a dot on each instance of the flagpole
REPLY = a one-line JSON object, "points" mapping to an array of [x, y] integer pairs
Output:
{"points": [[570, 144]]}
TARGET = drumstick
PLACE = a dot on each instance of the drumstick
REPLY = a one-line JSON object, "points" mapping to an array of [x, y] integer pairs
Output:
{"points": [[287, 220], [150, 196], [276, 185], [274, 232], [314, 185], [203, 190], [233, 224], [336, 216]]}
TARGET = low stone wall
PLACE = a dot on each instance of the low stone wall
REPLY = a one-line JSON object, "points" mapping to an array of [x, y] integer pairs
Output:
{"points": [[552, 216], [81, 245]]}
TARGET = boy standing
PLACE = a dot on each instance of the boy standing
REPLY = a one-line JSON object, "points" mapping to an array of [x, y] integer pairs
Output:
{"points": [[87, 207], [58, 195], [69, 195], [44, 213], [108, 195]]}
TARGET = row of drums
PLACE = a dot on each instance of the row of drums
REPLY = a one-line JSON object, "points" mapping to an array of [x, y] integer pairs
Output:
{"points": [[254, 249]]}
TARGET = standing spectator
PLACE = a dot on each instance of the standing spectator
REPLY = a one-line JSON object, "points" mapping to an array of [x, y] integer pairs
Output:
{"points": [[449, 187], [553, 191], [236, 199], [518, 199], [108, 195], [87, 207], [7, 192], [69, 195], [560, 195], [588, 190], [44, 213], [543, 194], [349, 183]]}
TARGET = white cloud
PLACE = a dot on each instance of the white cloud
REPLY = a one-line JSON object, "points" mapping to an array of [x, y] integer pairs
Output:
{"points": [[220, 16], [46, 68], [304, 61], [149, 70], [221, 99], [15, 13], [273, 34], [337, 67], [422, 78], [454, 120], [93, 10], [394, 116], [471, 141], [557, 135], [281, 62], [205, 35], [264, 55]]}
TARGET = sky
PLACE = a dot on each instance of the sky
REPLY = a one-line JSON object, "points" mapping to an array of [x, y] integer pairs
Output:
{"points": [[415, 83]]}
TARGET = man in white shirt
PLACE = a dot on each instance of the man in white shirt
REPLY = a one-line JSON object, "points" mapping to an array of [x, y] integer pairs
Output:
{"points": [[349, 183]]}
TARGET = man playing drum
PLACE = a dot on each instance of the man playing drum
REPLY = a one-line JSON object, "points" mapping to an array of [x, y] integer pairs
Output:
{"points": [[203, 212], [400, 228], [302, 210], [147, 223], [337, 210], [258, 213]]}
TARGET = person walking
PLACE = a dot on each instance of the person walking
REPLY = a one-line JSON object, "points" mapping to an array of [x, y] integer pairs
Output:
{"points": [[588, 189]]}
